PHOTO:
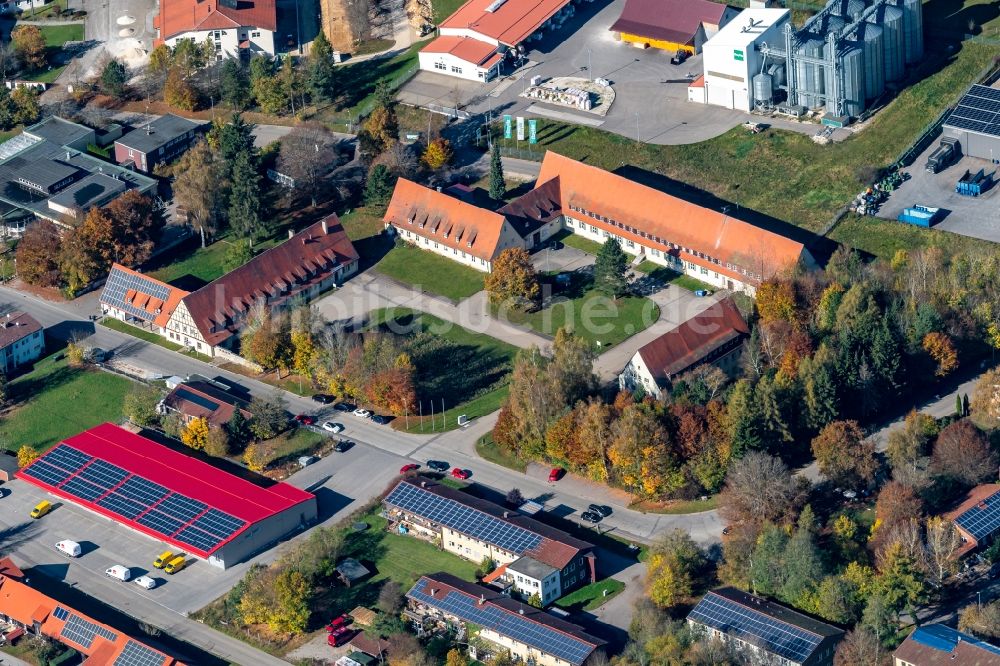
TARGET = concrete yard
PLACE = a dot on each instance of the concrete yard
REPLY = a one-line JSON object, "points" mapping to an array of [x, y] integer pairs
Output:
{"points": [[978, 217]]}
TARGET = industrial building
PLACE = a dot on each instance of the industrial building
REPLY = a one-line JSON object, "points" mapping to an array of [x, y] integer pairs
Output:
{"points": [[842, 59], [671, 25], [975, 123], [169, 496]]}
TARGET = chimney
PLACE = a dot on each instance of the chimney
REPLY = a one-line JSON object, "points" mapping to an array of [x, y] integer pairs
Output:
{"points": [[291, 234], [482, 599], [521, 610], [326, 228], [423, 484], [506, 514]]}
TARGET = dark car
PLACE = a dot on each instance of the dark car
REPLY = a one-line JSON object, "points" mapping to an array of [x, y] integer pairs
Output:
{"points": [[679, 57], [322, 398], [343, 445], [379, 419], [438, 465], [591, 516], [344, 407], [601, 509]]}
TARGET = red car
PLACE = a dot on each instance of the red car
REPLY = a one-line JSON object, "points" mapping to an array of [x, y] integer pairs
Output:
{"points": [[408, 468], [305, 419], [460, 473], [340, 636], [339, 623], [556, 474]]}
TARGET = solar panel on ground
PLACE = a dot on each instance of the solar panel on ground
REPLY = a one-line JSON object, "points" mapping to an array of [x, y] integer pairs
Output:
{"points": [[137, 654], [456, 516], [983, 519], [517, 627], [82, 631], [200, 400], [780, 638], [119, 283]]}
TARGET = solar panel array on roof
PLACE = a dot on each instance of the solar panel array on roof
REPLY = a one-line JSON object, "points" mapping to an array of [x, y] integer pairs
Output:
{"points": [[978, 111], [169, 514], [82, 632], [983, 519], [780, 638], [119, 284], [200, 400], [60, 613], [517, 627], [464, 519], [137, 654]]}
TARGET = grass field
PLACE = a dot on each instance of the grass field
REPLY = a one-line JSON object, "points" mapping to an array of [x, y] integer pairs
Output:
{"points": [[580, 243], [55, 401], [884, 238], [294, 443], [591, 596], [465, 369], [203, 264], [487, 449], [362, 223], [424, 270], [666, 275], [57, 35], [142, 334], [445, 8]]}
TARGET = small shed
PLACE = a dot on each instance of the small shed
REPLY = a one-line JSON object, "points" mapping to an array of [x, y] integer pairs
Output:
{"points": [[350, 571], [8, 465], [363, 617]]}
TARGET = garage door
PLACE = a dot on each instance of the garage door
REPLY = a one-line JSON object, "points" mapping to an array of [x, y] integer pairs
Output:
{"points": [[719, 96]]}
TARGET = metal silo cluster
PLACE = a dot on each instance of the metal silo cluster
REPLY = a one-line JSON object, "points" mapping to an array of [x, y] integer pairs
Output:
{"points": [[845, 55]]}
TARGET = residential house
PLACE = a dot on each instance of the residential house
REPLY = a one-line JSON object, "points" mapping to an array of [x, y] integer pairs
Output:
{"points": [[22, 341], [157, 142], [671, 25], [533, 557], [495, 623], [139, 300], [938, 645], [977, 518], [714, 336], [308, 263], [196, 399], [36, 614], [768, 631], [235, 28]]}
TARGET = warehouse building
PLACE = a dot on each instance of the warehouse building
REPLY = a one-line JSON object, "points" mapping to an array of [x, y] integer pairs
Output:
{"points": [[975, 122], [671, 25], [171, 497]]}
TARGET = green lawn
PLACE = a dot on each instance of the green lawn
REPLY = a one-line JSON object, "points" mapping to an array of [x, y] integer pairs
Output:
{"points": [[445, 8], [55, 401], [57, 35], [47, 76], [487, 449], [362, 223], [591, 596], [142, 334], [426, 271], [202, 264], [667, 275], [295, 443], [589, 314], [467, 370], [884, 238], [677, 507], [580, 243], [404, 559]]}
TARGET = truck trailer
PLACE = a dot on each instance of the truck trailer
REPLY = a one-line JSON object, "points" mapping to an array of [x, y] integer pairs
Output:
{"points": [[947, 152]]}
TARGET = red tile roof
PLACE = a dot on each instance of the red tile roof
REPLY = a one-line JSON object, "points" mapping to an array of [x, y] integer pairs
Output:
{"points": [[669, 20], [535, 208], [681, 228], [9, 569], [976, 500], [192, 400], [470, 50], [509, 23], [15, 326], [177, 17], [283, 272], [26, 606], [126, 289], [677, 350], [444, 219]]}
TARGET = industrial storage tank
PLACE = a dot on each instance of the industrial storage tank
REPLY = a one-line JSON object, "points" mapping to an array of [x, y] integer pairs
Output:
{"points": [[915, 32], [809, 77], [853, 81], [893, 40], [777, 72], [870, 37], [849, 9], [763, 89]]}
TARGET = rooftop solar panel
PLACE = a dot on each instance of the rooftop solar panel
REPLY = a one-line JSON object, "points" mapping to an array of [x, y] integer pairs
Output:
{"points": [[780, 638], [180, 507], [982, 520], [46, 473], [160, 522], [68, 458], [82, 489], [464, 519], [103, 474], [60, 613], [137, 654], [118, 285], [197, 538], [121, 505], [218, 523], [141, 490], [978, 111], [83, 631], [519, 628], [200, 400]]}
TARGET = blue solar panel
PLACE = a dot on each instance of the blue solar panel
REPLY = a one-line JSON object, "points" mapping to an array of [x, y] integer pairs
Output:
{"points": [[103, 474], [83, 631], [137, 654], [519, 628], [46, 473], [160, 522], [944, 639], [456, 516], [197, 538], [982, 520], [218, 523], [121, 505], [736, 620], [116, 290], [60, 613], [200, 400], [978, 111], [82, 489], [141, 490], [68, 458], [180, 507]]}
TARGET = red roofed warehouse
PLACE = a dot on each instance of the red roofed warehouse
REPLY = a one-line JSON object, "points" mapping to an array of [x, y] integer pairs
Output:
{"points": [[535, 558], [169, 496], [475, 39], [715, 336], [235, 27], [672, 25]]}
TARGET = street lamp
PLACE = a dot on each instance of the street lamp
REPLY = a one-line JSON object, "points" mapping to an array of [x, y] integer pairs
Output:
{"points": [[590, 68]]}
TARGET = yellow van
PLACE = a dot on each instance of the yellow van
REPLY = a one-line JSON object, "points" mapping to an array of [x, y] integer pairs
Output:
{"points": [[162, 560], [175, 565], [41, 509]]}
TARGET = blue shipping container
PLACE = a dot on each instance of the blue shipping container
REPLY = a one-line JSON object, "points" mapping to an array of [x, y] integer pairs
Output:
{"points": [[921, 216]]}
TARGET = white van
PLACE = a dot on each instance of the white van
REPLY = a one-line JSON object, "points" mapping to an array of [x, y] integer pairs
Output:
{"points": [[118, 572], [145, 582], [69, 548]]}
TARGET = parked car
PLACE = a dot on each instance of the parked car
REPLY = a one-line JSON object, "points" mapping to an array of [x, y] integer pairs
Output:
{"points": [[339, 623], [118, 572], [438, 465], [4, 492], [602, 509], [340, 636], [164, 557], [41, 509], [703, 292], [330, 426], [343, 445], [145, 582], [556, 474], [305, 419], [344, 407], [305, 461], [381, 420], [460, 473], [409, 468], [69, 548], [363, 413], [591, 517], [726, 530], [322, 398], [679, 57], [176, 564]]}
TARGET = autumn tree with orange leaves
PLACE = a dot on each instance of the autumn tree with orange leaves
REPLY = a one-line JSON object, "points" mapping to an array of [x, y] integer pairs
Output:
{"points": [[941, 349]]}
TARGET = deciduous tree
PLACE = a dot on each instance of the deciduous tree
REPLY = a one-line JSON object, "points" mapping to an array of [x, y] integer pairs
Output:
{"points": [[217, 443], [308, 153], [270, 415], [29, 45], [134, 227], [139, 405], [609, 269], [26, 455], [985, 404], [195, 433], [981, 619], [963, 453], [674, 564], [26, 107], [256, 456], [861, 647], [513, 279], [941, 349], [844, 455], [438, 154], [178, 91], [38, 254], [942, 541], [896, 503], [239, 252], [758, 488], [198, 188]]}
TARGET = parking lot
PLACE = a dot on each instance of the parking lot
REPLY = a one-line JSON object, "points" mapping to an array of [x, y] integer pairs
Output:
{"points": [[342, 482], [978, 217]]}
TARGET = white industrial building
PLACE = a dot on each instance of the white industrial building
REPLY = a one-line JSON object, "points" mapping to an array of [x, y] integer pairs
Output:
{"points": [[464, 57], [732, 57]]}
